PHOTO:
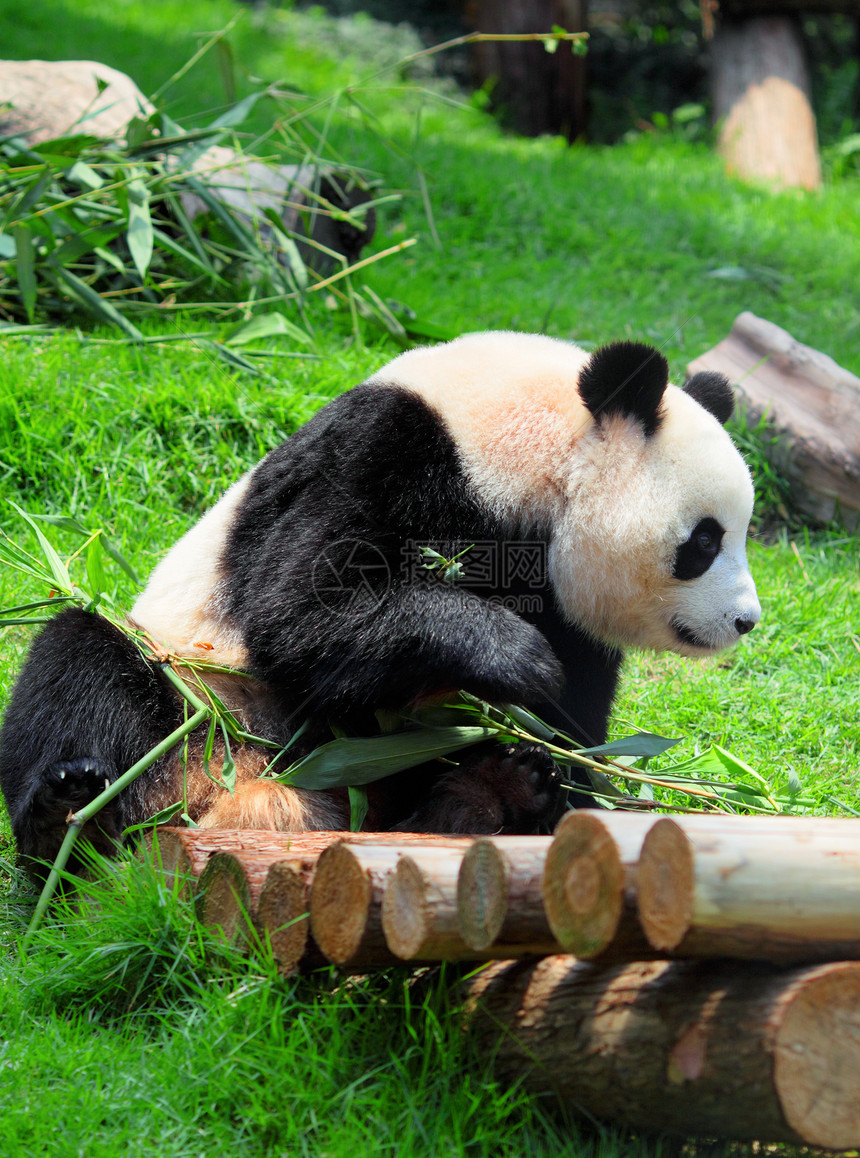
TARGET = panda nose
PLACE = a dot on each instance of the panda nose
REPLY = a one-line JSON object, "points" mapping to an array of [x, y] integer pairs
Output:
{"points": [[743, 626]]}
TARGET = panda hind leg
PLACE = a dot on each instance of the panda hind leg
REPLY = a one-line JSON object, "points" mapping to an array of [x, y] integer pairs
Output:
{"points": [[495, 788], [86, 707]]}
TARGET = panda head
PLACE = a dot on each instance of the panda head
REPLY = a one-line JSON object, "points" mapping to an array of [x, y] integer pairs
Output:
{"points": [[650, 547]]}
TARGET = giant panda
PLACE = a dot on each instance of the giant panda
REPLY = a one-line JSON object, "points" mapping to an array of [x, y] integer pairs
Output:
{"points": [[598, 508]]}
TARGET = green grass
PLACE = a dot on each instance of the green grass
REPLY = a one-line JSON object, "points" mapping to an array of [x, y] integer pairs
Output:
{"points": [[210, 1053]]}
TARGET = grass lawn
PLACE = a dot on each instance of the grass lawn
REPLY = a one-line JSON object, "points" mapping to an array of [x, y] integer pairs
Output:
{"points": [[130, 1033]]}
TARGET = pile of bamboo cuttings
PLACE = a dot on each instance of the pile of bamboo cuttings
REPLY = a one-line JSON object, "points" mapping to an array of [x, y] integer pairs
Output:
{"points": [[698, 974]]}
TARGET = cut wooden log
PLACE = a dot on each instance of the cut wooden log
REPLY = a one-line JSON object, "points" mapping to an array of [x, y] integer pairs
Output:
{"points": [[419, 904], [182, 853], [263, 894], [782, 889], [346, 903], [698, 1048], [260, 880], [589, 883], [762, 101], [499, 896], [228, 890], [812, 405]]}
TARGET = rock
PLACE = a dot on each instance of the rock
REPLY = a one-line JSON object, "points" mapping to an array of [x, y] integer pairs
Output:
{"points": [[49, 99], [812, 405], [52, 98]]}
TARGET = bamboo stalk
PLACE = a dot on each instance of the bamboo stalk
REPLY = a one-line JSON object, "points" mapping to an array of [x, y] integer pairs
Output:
{"points": [[499, 896], [589, 883], [695, 1048], [778, 888]]}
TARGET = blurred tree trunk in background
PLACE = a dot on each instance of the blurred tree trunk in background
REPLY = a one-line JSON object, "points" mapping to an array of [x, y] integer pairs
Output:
{"points": [[536, 91], [762, 98]]}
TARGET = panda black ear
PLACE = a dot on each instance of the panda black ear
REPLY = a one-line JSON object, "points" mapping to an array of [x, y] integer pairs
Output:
{"points": [[626, 378], [714, 392]]}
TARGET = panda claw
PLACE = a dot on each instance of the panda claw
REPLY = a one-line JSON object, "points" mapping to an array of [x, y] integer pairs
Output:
{"points": [[70, 784]]}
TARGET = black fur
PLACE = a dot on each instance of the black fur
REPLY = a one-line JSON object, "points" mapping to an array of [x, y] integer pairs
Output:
{"points": [[714, 392], [85, 708], [377, 467], [694, 556], [626, 378]]}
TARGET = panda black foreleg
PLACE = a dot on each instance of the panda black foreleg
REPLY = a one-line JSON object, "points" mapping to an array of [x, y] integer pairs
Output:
{"points": [[86, 707], [421, 641]]}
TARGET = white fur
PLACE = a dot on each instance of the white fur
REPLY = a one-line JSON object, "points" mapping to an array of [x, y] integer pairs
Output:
{"points": [[616, 504], [182, 606]]}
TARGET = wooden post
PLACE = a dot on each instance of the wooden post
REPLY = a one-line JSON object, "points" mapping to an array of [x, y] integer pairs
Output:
{"points": [[419, 905], [499, 898], [775, 888], [695, 1048], [589, 883], [762, 101], [346, 903]]}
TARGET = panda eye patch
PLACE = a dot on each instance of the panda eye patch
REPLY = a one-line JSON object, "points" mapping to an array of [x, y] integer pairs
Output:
{"points": [[696, 554]]}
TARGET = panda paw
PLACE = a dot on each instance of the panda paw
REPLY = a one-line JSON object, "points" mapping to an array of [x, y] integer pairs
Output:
{"points": [[526, 785], [495, 788], [71, 784]]}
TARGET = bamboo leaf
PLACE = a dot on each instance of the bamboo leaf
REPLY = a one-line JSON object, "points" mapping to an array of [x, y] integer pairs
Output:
{"points": [[95, 566], [264, 326], [529, 722], [139, 233], [640, 744], [56, 566], [83, 174], [55, 600], [227, 355], [228, 764], [358, 806], [25, 263], [96, 303], [68, 523], [362, 760], [164, 816]]}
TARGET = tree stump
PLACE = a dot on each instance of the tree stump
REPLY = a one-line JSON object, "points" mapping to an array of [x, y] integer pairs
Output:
{"points": [[762, 101]]}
